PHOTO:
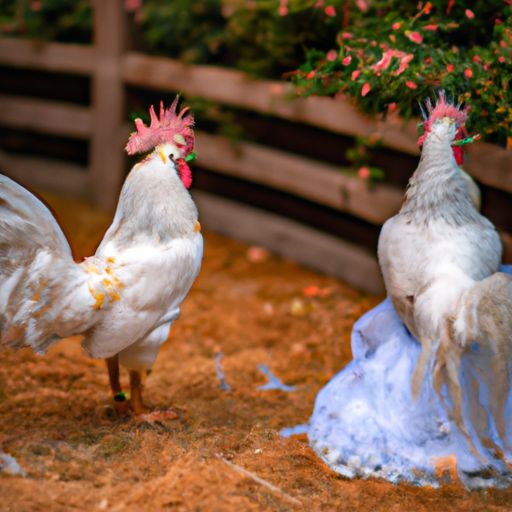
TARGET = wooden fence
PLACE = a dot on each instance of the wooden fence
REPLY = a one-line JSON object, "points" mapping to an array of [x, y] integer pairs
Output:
{"points": [[112, 66]]}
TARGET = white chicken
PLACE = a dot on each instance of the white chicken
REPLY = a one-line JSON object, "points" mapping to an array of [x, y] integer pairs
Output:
{"points": [[440, 259], [124, 299]]}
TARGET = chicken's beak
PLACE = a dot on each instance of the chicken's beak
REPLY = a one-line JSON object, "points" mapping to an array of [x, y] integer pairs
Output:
{"points": [[162, 155]]}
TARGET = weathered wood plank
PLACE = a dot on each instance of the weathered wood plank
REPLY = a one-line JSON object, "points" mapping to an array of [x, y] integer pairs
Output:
{"points": [[52, 175], [489, 163], [311, 179], [107, 162], [46, 116], [63, 58], [318, 250]]}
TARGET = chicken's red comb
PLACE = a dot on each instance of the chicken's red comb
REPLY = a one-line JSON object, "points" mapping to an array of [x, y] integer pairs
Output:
{"points": [[169, 127], [442, 108]]}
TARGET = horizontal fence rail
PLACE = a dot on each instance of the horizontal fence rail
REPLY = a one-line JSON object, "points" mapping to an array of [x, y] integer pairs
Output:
{"points": [[111, 67]]}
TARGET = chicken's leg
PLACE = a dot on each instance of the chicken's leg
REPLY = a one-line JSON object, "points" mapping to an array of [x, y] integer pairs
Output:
{"points": [[120, 402], [137, 403]]}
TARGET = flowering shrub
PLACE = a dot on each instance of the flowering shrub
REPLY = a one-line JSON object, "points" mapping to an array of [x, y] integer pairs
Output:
{"points": [[384, 54], [390, 54]]}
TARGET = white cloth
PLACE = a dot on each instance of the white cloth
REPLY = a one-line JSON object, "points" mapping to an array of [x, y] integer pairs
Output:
{"points": [[365, 422]]}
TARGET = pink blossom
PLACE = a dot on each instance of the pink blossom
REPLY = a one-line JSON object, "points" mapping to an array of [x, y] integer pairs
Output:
{"points": [[411, 84], [395, 25], [392, 107], [283, 8], [386, 59], [311, 75], [365, 89], [355, 74], [362, 5], [450, 68], [331, 55], [432, 27], [501, 59], [469, 14], [364, 173], [404, 63], [346, 35], [415, 37], [468, 73], [503, 44], [428, 60], [330, 11], [347, 60], [487, 67], [477, 59], [132, 5]]}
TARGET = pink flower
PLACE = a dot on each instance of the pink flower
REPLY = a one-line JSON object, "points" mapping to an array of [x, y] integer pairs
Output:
{"points": [[395, 25], [468, 73], [364, 173], [503, 44], [330, 11], [132, 5], [386, 59], [347, 60], [416, 37], [411, 84], [362, 5], [428, 60], [501, 59], [450, 68], [311, 75], [469, 14], [283, 8], [476, 59], [392, 107], [355, 74], [404, 63], [346, 35], [365, 89], [432, 27], [331, 55]]}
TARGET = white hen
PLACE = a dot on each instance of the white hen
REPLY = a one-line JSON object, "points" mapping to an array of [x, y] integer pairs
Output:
{"points": [[440, 257], [123, 299]]}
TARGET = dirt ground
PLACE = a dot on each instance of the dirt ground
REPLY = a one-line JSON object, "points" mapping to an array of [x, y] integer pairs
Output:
{"points": [[224, 453]]}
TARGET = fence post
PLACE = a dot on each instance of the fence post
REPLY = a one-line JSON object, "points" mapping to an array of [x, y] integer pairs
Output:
{"points": [[106, 156]]}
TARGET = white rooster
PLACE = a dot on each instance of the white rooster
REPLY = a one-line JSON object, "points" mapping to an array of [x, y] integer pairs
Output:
{"points": [[123, 299], [440, 259]]}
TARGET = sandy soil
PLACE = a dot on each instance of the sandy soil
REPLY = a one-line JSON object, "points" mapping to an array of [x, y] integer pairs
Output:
{"points": [[58, 422]]}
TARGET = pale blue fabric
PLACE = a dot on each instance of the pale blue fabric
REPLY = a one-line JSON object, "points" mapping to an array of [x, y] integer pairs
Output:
{"points": [[365, 422]]}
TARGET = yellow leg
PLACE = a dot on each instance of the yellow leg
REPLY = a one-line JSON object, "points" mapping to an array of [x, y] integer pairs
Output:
{"points": [[120, 402], [137, 403]]}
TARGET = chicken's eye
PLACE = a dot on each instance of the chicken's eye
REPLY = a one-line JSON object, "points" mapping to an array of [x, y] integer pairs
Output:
{"points": [[171, 157]]}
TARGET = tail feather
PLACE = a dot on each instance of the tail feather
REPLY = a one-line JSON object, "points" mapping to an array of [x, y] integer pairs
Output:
{"points": [[483, 316], [44, 294]]}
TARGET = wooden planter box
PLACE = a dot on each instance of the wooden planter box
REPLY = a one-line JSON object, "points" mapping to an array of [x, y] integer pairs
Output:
{"points": [[103, 124]]}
